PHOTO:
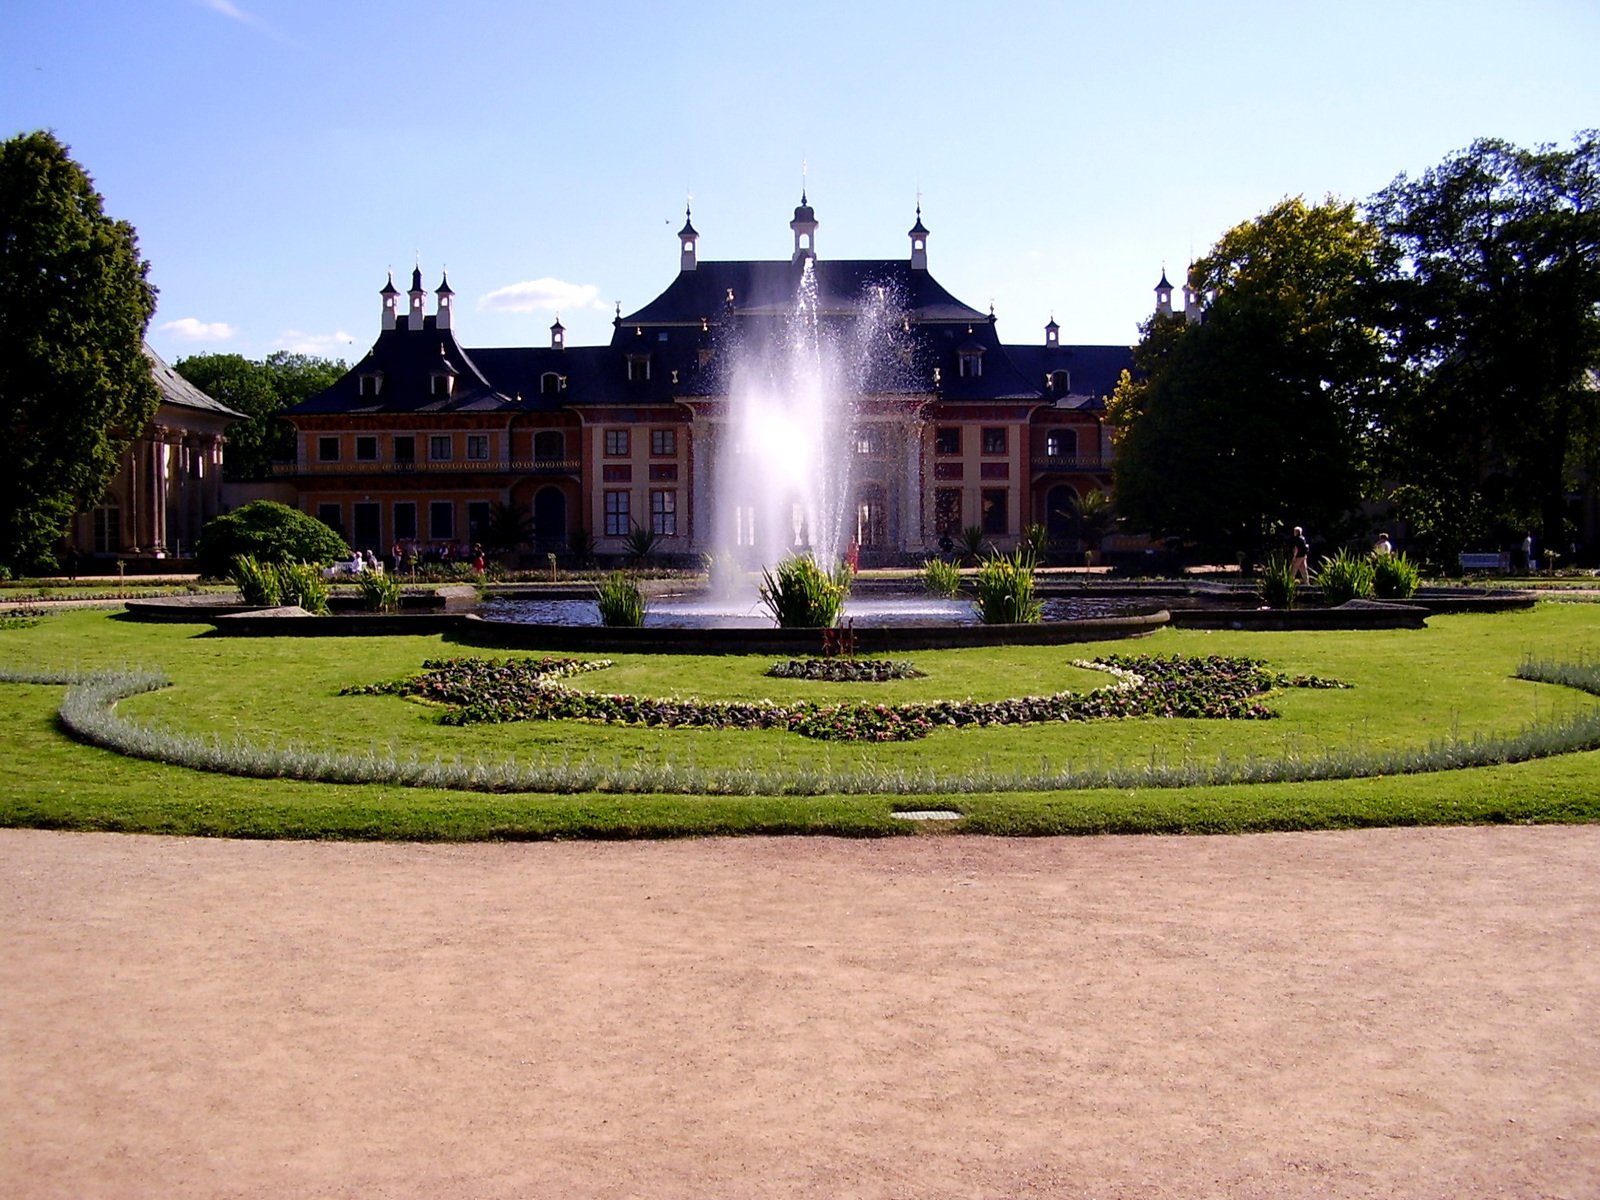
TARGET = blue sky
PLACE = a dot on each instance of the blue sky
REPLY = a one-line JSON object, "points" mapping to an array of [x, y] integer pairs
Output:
{"points": [[278, 157]]}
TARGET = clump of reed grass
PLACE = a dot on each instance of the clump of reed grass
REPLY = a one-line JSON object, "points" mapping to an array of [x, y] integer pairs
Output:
{"points": [[379, 592], [1005, 590], [799, 594], [622, 603], [1395, 577], [940, 578], [724, 576], [257, 581], [1346, 577], [1279, 587], [303, 584]]}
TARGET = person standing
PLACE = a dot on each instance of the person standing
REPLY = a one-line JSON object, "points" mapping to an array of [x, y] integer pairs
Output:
{"points": [[1384, 548]]}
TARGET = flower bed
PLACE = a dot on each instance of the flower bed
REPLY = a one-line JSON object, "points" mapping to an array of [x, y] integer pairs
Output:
{"points": [[845, 670], [497, 690]]}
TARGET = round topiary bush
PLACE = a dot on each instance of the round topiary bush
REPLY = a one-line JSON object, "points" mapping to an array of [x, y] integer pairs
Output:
{"points": [[269, 532]]}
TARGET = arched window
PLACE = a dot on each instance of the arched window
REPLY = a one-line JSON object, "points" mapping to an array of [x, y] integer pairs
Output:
{"points": [[549, 383], [1060, 511], [1061, 443], [1060, 382], [549, 445]]}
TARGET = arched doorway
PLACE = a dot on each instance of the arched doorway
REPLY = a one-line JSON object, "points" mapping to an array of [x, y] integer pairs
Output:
{"points": [[549, 518], [1060, 507]]}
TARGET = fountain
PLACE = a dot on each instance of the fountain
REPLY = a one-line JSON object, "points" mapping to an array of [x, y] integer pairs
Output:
{"points": [[782, 482]]}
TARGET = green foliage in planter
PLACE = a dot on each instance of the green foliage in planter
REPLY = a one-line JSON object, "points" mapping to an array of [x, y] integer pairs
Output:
{"points": [[380, 592], [1345, 577], [257, 581], [302, 583], [268, 531], [1395, 577], [724, 576], [940, 578], [1278, 583], [1035, 540], [1005, 590], [621, 602], [640, 543], [801, 595]]}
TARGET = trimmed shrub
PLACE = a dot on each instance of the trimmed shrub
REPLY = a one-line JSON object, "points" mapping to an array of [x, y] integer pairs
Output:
{"points": [[940, 578], [1005, 590], [801, 595], [622, 604], [1395, 577], [1346, 577], [269, 532]]}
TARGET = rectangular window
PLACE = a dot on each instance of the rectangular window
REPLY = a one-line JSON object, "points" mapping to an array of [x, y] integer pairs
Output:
{"points": [[439, 447], [664, 513], [478, 446], [366, 449], [405, 449], [947, 512], [638, 368], [947, 440], [477, 520], [108, 530], [616, 442], [994, 441], [441, 520], [327, 449], [617, 520], [405, 520], [331, 515], [994, 511], [368, 535], [663, 442], [869, 441]]}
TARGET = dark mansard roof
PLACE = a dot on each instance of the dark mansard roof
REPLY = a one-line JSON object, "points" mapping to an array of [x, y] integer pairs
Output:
{"points": [[895, 325]]}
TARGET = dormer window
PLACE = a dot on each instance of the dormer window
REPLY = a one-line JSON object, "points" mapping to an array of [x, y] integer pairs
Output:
{"points": [[443, 384], [969, 364], [1060, 382], [638, 368], [371, 383], [550, 383]]}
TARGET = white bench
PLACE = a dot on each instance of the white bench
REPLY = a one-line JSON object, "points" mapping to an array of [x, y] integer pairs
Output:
{"points": [[1495, 561]]}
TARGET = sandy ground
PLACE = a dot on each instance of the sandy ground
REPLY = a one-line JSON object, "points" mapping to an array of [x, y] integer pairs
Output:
{"points": [[1386, 1013]]}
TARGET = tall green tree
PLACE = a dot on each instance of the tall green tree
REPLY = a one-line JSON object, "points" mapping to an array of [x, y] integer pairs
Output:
{"points": [[1497, 311], [261, 390], [75, 385], [1233, 428]]}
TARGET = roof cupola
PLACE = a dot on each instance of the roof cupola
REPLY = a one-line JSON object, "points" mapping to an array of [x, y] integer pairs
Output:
{"points": [[1163, 296], [1193, 304], [444, 293], [805, 229], [558, 335], [1052, 332], [686, 240], [416, 295], [391, 297], [919, 243]]}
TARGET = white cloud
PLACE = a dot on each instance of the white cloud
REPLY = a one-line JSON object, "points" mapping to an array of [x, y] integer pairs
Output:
{"points": [[231, 10], [323, 345], [546, 295], [188, 329]]}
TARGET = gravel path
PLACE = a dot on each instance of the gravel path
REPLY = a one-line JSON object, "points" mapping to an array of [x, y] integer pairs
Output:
{"points": [[1382, 1013]]}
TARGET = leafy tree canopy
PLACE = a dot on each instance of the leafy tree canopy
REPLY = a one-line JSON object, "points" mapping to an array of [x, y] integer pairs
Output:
{"points": [[1255, 418], [268, 531], [261, 390], [75, 385], [1497, 313]]}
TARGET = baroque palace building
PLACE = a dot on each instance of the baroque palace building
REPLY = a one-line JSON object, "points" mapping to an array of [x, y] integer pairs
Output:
{"points": [[950, 427]]}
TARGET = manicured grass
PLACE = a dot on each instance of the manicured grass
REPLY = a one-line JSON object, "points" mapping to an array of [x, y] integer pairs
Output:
{"points": [[1409, 688]]}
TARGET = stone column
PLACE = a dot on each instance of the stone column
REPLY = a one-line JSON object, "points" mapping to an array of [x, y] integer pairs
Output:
{"points": [[159, 467], [911, 487]]}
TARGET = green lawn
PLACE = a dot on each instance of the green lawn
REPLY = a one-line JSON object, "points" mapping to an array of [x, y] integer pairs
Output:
{"points": [[1408, 688]]}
